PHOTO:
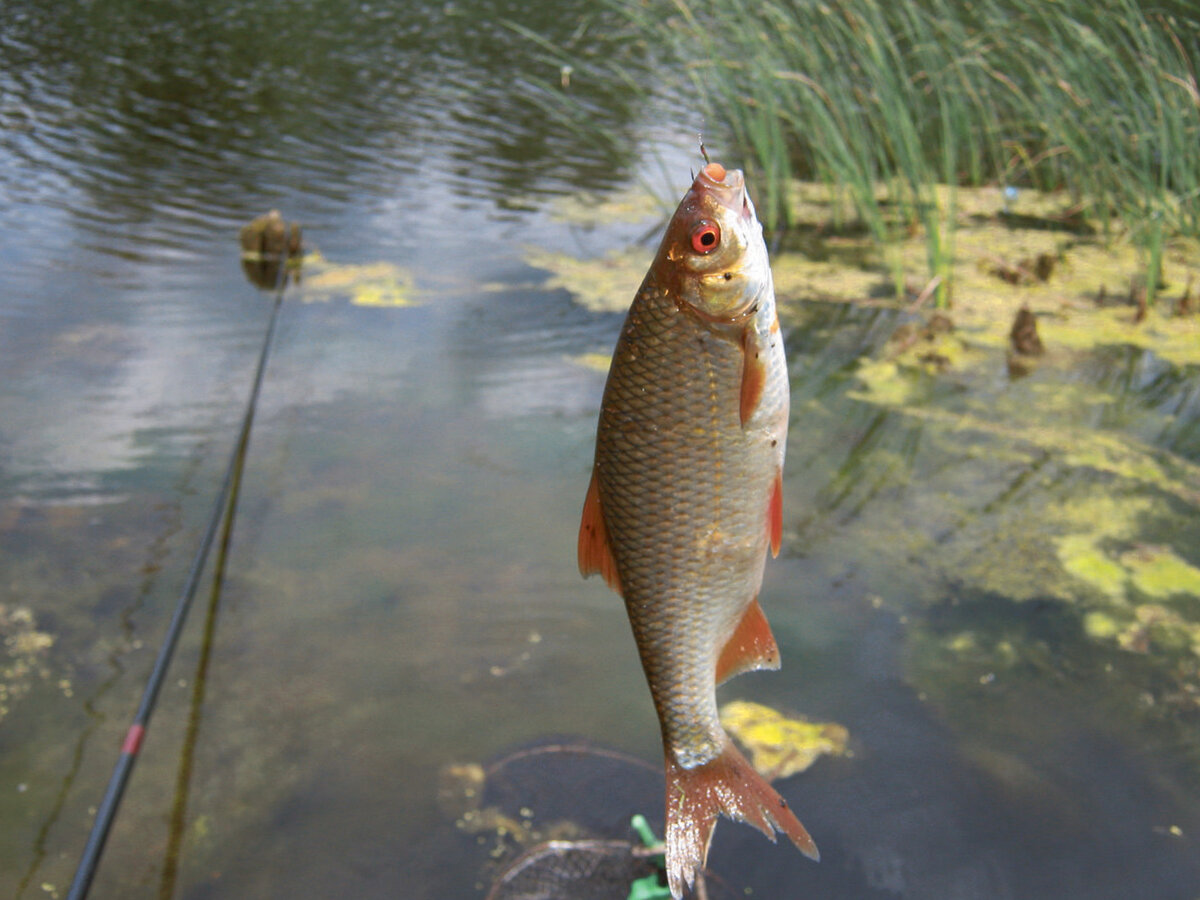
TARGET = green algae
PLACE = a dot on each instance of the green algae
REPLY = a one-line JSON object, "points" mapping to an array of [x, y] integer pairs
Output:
{"points": [[885, 383], [1082, 559], [1097, 519], [780, 746], [1101, 625], [1147, 629], [1109, 558], [603, 284], [596, 362], [1087, 295], [382, 284], [1086, 549], [799, 278], [1159, 573], [22, 662], [630, 204], [907, 391]]}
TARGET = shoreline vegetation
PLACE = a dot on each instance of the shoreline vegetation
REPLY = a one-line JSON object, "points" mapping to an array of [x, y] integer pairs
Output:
{"points": [[893, 108]]}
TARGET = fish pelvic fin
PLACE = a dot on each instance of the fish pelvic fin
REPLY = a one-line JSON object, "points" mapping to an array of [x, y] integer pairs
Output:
{"points": [[728, 785], [750, 647], [594, 549]]}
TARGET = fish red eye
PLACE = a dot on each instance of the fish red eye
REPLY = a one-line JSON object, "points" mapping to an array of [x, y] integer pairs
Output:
{"points": [[705, 237]]}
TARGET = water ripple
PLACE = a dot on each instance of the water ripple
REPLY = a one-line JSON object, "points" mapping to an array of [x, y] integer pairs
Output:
{"points": [[192, 117]]}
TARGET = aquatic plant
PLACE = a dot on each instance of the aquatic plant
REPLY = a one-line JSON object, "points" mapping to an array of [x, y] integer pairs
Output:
{"points": [[1121, 110], [882, 102]]}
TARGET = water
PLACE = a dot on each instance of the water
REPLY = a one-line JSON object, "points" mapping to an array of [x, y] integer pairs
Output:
{"points": [[401, 589]]}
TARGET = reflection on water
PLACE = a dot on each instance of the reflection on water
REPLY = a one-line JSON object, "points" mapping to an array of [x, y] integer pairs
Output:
{"points": [[161, 119], [973, 575]]}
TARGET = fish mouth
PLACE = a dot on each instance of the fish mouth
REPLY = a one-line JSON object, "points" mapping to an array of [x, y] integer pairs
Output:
{"points": [[727, 187]]}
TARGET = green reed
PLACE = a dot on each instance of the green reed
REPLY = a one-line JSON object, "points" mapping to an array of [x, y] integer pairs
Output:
{"points": [[884, 101], [1125, 111]]}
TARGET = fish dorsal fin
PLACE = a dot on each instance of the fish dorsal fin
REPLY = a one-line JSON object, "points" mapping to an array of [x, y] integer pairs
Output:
{"points": [[595, 552], [754, 374], [775, 513], [750, 647]]}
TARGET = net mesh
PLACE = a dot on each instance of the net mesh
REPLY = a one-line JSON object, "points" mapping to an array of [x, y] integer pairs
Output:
{"points": [[580, 870], [557, 818]]}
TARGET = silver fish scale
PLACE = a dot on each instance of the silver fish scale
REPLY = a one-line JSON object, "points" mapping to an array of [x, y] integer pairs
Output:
{"points": [[685, 490]]}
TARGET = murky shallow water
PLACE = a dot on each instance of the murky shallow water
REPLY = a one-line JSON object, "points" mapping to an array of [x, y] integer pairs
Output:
{"points": [[401, 590]]}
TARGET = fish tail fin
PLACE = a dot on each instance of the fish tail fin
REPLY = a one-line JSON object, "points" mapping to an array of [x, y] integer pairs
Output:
{"points": [[729, 785]]}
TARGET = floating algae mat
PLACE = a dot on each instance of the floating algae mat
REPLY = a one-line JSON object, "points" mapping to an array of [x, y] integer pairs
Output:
{"points": [[1081, 284], [1084, 287], [780, 746], [1075, 488], [381, 284], [602, 284]]}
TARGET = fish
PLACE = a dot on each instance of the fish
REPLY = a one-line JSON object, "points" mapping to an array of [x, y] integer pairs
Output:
{"points": [[685, 501]]}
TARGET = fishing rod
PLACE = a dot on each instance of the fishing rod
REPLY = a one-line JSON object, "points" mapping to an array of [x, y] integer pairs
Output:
{"points": [[222, 511]]}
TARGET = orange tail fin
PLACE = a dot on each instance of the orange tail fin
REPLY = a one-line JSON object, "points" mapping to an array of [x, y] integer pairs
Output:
{"points": [[729, 785]]}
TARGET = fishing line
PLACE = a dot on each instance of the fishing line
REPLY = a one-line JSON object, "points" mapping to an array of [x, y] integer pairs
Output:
{"points": [[223, 511]]}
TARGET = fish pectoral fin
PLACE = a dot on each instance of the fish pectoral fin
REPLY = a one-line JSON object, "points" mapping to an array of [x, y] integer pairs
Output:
{"points": [[595, 552], [754, 374], [729, 785], [750, 647]]}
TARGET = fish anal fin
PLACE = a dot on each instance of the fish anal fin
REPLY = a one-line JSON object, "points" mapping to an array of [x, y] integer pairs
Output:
{"points": [[754, 375], [750, 647], [595, 552], [775, 513], [727, 785]]}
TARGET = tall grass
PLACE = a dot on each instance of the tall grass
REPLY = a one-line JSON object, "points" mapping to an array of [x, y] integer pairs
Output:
{"points": [[884, 100], [1124, 109]]}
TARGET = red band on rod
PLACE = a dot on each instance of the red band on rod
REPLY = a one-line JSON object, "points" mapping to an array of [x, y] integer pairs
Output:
{"points": [[133, 739]]}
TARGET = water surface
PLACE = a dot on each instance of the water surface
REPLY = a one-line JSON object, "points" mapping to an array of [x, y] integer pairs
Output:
{"points": [[401, 589]]}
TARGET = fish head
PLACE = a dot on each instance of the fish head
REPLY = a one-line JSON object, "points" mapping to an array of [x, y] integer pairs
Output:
{"points": [[714, 247]]}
